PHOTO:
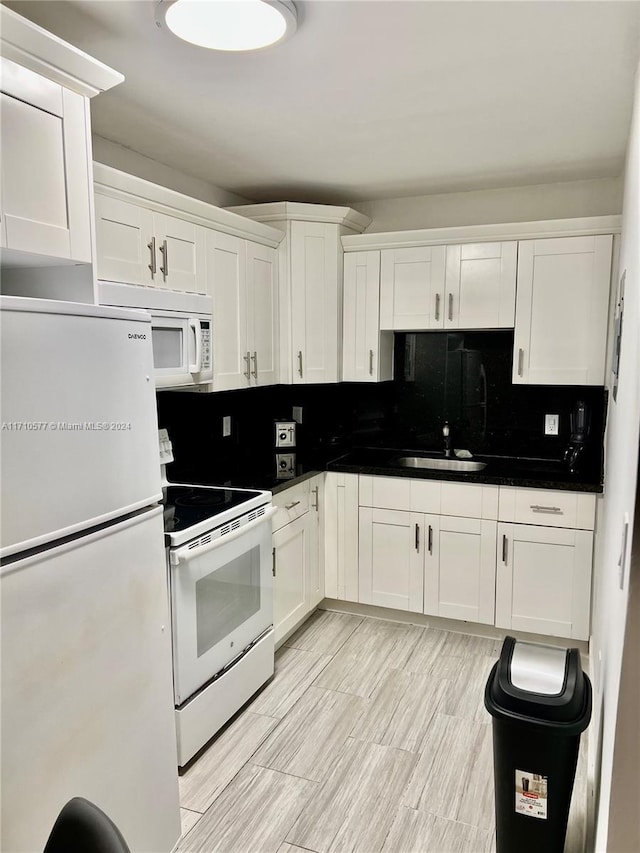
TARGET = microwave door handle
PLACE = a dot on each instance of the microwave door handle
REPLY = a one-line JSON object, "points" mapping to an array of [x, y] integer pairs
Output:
{"points": [[184, 553], [194, 325]]}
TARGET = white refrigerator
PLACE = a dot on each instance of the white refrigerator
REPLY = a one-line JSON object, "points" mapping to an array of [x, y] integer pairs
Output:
{"points": [[86, 701]]}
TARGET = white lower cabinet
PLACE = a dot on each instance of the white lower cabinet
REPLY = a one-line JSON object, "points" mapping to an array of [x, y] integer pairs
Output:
{"points": [[391, 572], [298, 583], [460, 568], [340, 507], [543, 580]]}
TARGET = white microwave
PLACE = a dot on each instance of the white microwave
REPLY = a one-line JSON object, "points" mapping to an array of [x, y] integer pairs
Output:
{"points": [[181, 331]]}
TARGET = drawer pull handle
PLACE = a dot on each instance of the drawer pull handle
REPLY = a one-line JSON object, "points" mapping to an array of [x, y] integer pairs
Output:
{"points": [[430, 540], [552, 510], [291, 506], [504, 550], [418, 538]]}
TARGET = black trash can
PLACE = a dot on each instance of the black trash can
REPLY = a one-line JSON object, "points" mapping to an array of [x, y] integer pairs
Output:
{"points": [[540, 701]]}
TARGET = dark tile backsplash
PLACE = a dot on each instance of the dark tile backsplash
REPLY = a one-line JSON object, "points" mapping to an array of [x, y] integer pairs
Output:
{"points": [[463, 378]]}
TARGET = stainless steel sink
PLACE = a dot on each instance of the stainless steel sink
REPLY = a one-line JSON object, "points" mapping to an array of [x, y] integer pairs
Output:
{"points": [[439, 464]]}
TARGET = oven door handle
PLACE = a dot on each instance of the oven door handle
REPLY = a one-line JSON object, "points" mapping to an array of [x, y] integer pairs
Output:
{"points": [[184, 553]]}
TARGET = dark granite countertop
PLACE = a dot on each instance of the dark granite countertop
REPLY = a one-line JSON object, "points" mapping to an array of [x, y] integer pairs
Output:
{"points": [[499, 471]]}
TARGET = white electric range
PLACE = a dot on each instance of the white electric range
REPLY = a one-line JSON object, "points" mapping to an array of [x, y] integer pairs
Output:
{"points": [[220, 582]]}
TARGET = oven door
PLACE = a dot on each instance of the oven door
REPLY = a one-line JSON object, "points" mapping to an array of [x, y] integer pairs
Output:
{"points": [[221, 601], [181, 350]]}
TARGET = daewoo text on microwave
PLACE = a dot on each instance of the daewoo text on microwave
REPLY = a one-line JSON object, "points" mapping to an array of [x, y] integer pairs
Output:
{"points": [[181, 326]]}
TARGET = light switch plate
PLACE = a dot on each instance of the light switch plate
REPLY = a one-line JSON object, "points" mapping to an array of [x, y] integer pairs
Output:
{"points": [[296, 414], [551, 424], [226, 426]]}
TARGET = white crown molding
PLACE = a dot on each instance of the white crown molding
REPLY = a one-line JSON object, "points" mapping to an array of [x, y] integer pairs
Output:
{"points": [[34, 48], [538, 230], [279, 211], [120, 185]]}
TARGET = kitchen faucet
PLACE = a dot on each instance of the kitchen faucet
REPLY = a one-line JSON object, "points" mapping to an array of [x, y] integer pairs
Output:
{"points": [[446, 432]]}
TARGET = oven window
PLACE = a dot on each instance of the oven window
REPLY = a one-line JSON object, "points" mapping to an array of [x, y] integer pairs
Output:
{"points": [[226, 598], [167, 347]]}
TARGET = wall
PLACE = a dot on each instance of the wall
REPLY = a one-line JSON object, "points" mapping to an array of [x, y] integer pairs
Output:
{"points": [[621, 449], [511, 204], [127, 160]]}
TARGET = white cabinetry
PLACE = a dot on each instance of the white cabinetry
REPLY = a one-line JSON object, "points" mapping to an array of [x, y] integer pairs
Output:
{"points": [[311, 285], [341, 535], [139, 246], [367, 352], [241, 277], [544, 558], [480, 285], [298, 582], [561, 311], [412, 288]]}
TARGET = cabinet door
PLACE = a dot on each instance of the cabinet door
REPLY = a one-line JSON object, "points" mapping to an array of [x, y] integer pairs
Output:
{"points": [[291, 554], [480, 286], [262, 313], [181, 254], [561, 311], [226, 282], [460, 568], [316, 302], [124, 242], [543, 581], [367, 352], [341, 535], [45, 171], [412, 288], [391, 559], [316, 543]]}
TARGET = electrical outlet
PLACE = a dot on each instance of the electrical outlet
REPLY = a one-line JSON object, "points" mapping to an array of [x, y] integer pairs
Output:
{"points": [[551, 424], [296, 414], [226, 426]]}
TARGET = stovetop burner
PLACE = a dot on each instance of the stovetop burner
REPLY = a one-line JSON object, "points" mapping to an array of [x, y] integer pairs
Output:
{"points": [[185, 506]]}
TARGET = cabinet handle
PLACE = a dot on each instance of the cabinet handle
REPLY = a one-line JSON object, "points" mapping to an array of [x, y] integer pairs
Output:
{"points": [[504, 549], [254, 358], [430, 540], [291, 506], [273, 562], [437, 312], [418, 538], [152, 248], [451, 306], [300, 362], [370, 362], [247, 372], [164, 251], [553, 510], [316, 504], [520, 362]]}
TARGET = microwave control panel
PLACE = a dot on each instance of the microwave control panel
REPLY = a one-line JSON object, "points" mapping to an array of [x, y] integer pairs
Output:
{"points": [[205, 339]]}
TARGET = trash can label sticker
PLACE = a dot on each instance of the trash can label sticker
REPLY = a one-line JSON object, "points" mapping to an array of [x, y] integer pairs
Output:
{"points": [[531, 794]]}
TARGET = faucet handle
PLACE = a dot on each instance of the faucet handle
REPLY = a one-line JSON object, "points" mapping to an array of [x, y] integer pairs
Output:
{"points": [[445, 429]]}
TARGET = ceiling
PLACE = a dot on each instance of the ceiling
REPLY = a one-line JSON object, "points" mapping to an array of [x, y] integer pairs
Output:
{"points": [[371, 98]]}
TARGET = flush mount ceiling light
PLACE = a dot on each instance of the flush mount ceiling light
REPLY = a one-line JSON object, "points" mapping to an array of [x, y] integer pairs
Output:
{"points": [[229, 24]]}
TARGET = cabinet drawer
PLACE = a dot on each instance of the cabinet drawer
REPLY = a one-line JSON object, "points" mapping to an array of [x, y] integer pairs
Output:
{"points": [[547, 508], [469, 500], [291, 504], [385, 492]]}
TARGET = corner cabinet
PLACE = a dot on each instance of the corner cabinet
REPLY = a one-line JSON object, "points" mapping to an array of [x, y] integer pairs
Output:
{"points": [[45, 87], [298, 583], [310, 285], [561, 311]]}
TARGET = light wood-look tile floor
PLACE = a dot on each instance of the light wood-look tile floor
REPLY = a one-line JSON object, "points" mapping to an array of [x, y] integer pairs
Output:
{"points": [[369, 738]]}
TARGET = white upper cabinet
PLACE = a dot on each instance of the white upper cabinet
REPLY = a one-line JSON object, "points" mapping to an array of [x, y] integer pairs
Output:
{"points": [[561, 311], [480, 290], [136, 245], [367, 352], [412, 285], [241, 277], [310, 277]]}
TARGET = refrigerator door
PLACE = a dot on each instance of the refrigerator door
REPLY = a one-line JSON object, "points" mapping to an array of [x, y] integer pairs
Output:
{"points": [[78, 408], [87, 699]]}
